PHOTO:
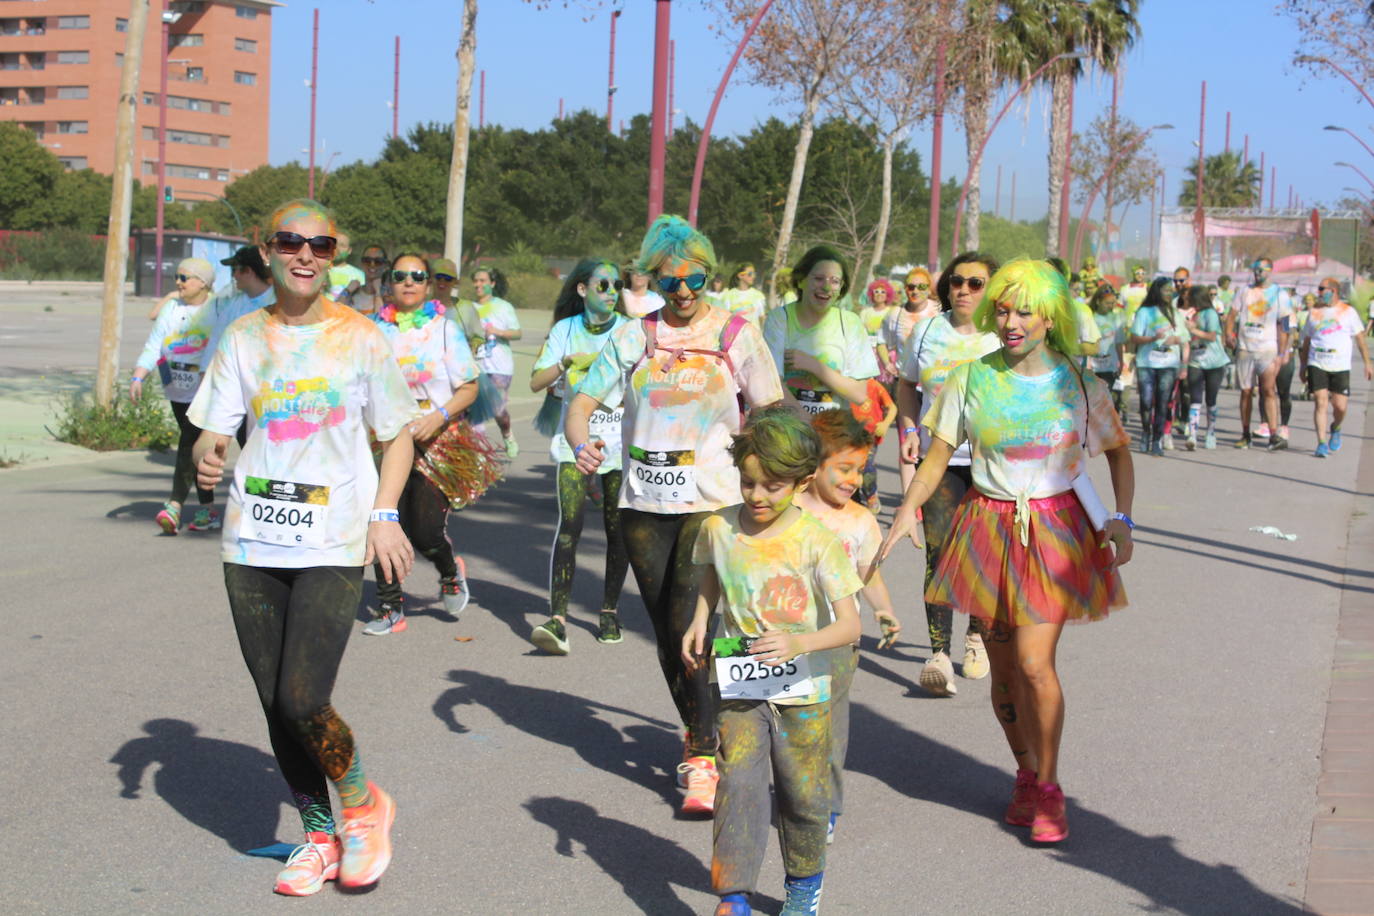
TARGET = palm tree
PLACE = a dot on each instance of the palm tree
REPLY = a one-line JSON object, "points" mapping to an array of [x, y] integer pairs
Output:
{"points": [[1226, 182], [1101, 31]]}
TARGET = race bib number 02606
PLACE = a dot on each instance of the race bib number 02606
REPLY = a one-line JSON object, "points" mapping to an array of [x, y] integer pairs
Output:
{"points": [[741, 676], [665, 477], [284, 513]]}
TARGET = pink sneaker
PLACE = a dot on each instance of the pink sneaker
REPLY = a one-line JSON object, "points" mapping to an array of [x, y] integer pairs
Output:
{"points": [[366, 839], [701, 785], [1051, 820], [310, 865], [1021, 811]]}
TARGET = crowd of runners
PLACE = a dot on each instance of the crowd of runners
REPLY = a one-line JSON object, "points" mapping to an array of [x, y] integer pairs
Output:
{"points": [[731, 450]]}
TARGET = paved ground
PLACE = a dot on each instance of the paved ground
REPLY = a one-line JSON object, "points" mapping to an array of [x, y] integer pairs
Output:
{"points": [[534, 784]]}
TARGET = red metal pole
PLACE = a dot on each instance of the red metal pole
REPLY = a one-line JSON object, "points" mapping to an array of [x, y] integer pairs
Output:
{"points": [[610, 79], [1201, 217], [1011, 202], [1066, 183], [704, 143], [560, 108], [1228, 131], [937, 135], [314, 72], [997, 198], [672, 80], [396, 92], [1154, 228], [161, 155], [1106, 178], [1259, 201], [1245, 152], [658, 122], [482, 101], [1273, 183]]}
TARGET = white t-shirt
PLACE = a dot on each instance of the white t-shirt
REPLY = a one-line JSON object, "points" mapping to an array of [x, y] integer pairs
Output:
{"points": [[637, 305], [933, 350], [568, 337], [221, 311], [434, 358], [1258, 311], [1149, 321], [341, 276], [1331, 332], [751, 303], [838, 340], [305, 483], [175, 348], [494, 356], [681, 412]]}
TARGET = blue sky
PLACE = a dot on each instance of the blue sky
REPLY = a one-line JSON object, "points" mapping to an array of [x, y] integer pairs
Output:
{"points": [[533, 57]]}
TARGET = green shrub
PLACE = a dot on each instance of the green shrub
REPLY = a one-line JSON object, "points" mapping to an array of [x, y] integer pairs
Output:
{"points": [[533, 290], [523, 259], [125, 424], [58, 254]]}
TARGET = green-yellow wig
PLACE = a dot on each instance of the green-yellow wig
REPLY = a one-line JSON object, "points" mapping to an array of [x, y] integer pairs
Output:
{"points": [[673, 238], [1027, 283]]}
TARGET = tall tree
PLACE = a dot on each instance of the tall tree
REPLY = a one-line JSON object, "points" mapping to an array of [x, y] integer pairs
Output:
{"points": [[462, 123], [1335, 29], [1227, 182], [1116, 145]]}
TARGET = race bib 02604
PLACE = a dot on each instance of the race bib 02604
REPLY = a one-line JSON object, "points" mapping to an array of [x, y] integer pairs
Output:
{"points": [[664, 476], [741, 676], [284, 513]]}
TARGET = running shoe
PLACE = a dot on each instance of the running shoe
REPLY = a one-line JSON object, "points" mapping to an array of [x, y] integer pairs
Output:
{"points": [[309, 866], [938, 676], [608, 628], [1211, 440], [389, 620], [1283, 432], [366, 838], [687, 755], [734, 905], [975, 664], [1263, 431], [1243, 441], [875, 504], [1167, 442], [512, 448], [1277, 443], [1158, 450], [830, 830], [454, 592], [701, 785], [1322, 450], [551, 636], [1051, 822], [206, 519], [1021, 811], [1191, 442], [1335, 439], [803, 895], [169, 519]]}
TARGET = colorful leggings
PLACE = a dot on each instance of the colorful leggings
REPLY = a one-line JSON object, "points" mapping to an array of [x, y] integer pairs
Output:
{"points": [[572, 501], [843, 662], [293, 625], [424, 518], [938, 515], [796, 741], [660, 551], [184, 477]]}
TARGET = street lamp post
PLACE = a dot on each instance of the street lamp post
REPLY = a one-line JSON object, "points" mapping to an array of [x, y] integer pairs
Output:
{"points": [[1111, 167], [314, 72], [977, 162], [1311, 59], [1357, 171], [1367, 148], [658, 145], [610, 81]]}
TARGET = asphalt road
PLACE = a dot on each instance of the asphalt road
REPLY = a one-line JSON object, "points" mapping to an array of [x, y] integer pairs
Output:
{"points": [[141, 774]]}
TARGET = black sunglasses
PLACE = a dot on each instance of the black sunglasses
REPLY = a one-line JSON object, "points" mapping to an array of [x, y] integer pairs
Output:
{"points": [[1179, 281], [182, 278], [670, 284], [374, 261], [974, 283], [321, 246], [446, 278], [399, 276], [603, 285], [918, 286]]}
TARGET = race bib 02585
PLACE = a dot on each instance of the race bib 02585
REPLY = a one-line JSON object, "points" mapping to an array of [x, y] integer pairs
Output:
{"points": [[283, 512], [742, 676]]}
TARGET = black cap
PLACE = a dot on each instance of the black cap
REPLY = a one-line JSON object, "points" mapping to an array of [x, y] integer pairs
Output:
{"points": [[247, 256]]}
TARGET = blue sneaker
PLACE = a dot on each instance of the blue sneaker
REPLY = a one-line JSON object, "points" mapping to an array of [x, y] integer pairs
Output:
{"points": [[1322, 451], [734, 905], [1335, 440], [803, 895]]}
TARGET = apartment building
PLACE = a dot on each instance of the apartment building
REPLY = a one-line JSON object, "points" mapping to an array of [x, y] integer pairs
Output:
{"points": [[60, 68]]}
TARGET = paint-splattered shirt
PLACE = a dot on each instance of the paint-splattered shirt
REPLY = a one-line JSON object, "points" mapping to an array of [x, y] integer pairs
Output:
{"points": [[1111, 329], [434, 358], [1258, 313], [1150, 321], [175, 348], [1331, 332], [305, 483], [838, 340], [933, 350], [783, 582], [751, 303], [494, 356], [681, 409], [1026, 432], [570, 337]]}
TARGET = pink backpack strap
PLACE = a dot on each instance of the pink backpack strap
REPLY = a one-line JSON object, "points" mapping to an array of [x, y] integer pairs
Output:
{"points": [[650, 325], [727, 339]]}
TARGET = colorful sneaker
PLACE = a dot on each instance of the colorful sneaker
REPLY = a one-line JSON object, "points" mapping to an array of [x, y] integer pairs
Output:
{"points": [[687, 755], [1021, 811], [1335, 443], [389, 620], [454, 592], [830, 829], [309, 866], [551, 636], [512, 448], [1277, 443], [938, 676], [1211, 441], [1191, 442], [1263, 431], [608, 628], [206, 519], [1167, 442], [975, 657], [169, 519], [366, 838], [1243, 441], [875, 504], [701, 785], [803, 895], [1051, 822], [1283, 432], [1322, 450], [734, 905]]}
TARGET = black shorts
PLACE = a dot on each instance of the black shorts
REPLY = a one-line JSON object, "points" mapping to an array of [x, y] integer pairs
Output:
{"points": [[1334, 382]]}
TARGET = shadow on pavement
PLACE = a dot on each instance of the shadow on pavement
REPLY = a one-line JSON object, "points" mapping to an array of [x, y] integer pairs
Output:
{"points": [[646, 759], [227, 788], [1337, 584], [1267, 554], [927, 770]]}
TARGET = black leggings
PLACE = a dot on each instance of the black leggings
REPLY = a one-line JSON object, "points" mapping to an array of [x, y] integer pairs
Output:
{"points": [[572, 503], [938, 520], [293, 625], [424, 518], [184, 477], [1109, 379], [1285, 386], [1203, 385], [660, 551]]}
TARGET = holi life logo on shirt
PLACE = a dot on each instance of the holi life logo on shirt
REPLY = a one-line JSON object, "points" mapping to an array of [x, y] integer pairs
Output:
{"points": [[183, 344], [416, 371], [670, 381], [291, 410], [784, 599]]}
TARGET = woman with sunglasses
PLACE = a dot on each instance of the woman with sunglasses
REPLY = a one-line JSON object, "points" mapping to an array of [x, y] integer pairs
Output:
{"points": [[307, 510], [1025, 555], [454, 464], [176, 349], [371, 296], [1326, 343], [915, 307], [936, 347], [1159, 335], [685, 374], [500, 325], [637, 298], [742, 298], [584, 319], [821, 349], [879, 301]]}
